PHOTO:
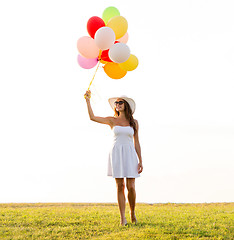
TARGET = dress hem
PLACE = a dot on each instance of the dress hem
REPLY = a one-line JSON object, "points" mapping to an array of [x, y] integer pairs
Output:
{"points": [[123, 176]]}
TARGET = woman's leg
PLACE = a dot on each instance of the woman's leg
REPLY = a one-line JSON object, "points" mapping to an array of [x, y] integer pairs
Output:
{"points": [[121, 198], [132, 197]]}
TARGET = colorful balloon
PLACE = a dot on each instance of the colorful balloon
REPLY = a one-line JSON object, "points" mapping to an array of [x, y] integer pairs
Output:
{"points": [[103, 62], [100, 59], [119, 52], [107, 45], [105, 56], [130, 64], [87, 47], [93, 24], [109, 13], [119, 25], [113, 70], [87, 63], [104, 38], [124, 39]]}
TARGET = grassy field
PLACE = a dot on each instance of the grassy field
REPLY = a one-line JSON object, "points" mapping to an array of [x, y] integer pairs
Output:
{"points": [[101, 221]]}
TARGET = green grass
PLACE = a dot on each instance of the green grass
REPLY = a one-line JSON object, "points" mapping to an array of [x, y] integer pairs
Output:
{"points": [[101, 221]]}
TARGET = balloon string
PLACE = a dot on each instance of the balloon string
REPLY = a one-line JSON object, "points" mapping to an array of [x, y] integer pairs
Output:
{"points": [[94, 75]]}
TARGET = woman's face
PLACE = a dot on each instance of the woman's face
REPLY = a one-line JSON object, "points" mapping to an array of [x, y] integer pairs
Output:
{"points": [[119, 105]]}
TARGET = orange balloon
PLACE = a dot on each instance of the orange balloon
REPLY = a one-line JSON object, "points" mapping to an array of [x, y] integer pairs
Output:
{"points": [[113, 70]]}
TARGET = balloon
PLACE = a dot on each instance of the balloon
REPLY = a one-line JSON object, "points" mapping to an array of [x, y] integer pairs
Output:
{"points": [[100, 53], [113, 70], [93, 24], [105, 56], [87, 47], [119, 52], [103, 62], [130, 64], [124, 39], [109, 13], [119, 24], [87, 63], [99, 57], [104, 38]]}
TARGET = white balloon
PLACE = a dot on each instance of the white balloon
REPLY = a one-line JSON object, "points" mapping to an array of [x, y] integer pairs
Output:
{"points": [[119, 52], [104, 38]]}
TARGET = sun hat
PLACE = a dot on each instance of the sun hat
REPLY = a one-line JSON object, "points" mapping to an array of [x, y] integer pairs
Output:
{"points": [[130, 101]]}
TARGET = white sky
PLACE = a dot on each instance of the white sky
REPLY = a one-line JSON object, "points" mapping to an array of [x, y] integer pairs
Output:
{"points": [[183, 88]]}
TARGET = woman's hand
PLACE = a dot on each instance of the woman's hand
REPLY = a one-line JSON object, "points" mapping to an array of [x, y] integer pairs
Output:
{"points": [[87, 95], [140, 167]]}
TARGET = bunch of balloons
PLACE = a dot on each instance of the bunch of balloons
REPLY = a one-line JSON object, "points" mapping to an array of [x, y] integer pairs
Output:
{"points": [[107, 43]]}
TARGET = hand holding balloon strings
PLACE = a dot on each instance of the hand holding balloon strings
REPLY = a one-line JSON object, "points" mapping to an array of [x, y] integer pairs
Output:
{"points": [[87, 95]]}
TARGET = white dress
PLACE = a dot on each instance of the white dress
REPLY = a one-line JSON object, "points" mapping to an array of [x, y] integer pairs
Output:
{"points": [[123, 159]]}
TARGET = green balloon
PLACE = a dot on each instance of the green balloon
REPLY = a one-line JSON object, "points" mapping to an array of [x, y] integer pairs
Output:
{"points": [[109, 13]]}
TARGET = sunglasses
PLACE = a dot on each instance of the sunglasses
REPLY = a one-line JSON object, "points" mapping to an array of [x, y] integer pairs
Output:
{"points": [[120, 102]]}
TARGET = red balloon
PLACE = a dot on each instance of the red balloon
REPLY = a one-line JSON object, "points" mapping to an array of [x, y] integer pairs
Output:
{"points": [[105, 55], [94, 24]]}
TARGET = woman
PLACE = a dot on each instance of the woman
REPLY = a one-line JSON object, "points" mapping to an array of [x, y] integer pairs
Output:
{"points": [[125, 156]]}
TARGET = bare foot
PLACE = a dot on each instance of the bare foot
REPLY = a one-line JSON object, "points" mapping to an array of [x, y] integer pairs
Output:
{"points": [[133, 218], [123, 222]]}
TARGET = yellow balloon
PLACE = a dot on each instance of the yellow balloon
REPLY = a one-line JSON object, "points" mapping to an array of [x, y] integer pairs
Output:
{"points": [[130, 64], [100, 53], [119, 25], [113, 70]]}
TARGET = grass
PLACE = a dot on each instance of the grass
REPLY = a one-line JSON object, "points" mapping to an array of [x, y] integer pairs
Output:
{"points": [[101, 221]]}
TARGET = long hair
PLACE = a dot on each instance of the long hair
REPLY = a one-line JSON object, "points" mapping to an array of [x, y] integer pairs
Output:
{"points": [[128, 115]]}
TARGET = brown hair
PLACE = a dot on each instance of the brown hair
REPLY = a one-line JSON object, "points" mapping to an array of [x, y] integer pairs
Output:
{"points": [[128, 115]]}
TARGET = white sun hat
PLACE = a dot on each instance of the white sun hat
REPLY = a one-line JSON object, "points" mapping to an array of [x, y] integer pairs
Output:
{"points": [[130, 101]]}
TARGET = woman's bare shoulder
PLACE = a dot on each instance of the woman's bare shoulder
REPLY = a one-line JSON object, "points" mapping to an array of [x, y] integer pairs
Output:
{"points": [[111, 120], [137, 124]]}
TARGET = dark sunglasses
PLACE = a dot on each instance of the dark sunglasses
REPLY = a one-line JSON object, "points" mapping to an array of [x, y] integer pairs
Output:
{"points": [[120, 102]]}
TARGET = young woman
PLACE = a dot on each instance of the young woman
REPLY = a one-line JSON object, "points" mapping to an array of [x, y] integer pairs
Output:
{"points": [[125, 156]]}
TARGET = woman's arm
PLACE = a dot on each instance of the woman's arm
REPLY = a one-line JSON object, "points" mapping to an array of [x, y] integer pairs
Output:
{"points": [[104, 120], [138, 147]]}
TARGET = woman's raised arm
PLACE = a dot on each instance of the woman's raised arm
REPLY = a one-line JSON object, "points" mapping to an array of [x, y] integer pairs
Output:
{"points": [[103, 120]]}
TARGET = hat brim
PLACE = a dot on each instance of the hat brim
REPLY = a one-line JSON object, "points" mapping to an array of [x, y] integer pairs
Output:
{"points": [[130, 101]]}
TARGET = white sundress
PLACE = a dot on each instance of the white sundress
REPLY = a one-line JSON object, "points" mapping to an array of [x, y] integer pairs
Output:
{"points": [[123, 159]]}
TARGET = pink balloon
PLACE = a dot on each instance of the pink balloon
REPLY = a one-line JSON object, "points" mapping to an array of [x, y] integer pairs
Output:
{"points": [[87, 63], [87, 47], [124, 39]]}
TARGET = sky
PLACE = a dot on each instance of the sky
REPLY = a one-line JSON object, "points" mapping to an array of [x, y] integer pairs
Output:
{"points": [[183, 88]]}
